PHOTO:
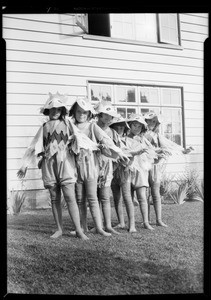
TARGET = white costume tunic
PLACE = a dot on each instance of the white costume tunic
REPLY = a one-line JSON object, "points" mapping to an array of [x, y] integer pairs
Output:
{"points": [[57, 141], [137, 171], [91, 165]]}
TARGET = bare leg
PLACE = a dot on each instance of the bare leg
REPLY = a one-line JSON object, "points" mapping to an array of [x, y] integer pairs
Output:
{"points": [[69, 195], [155, 188], [148, 194], [55, 194], [126, 193], [141, 196], [104, 198], [82, 205], [116, 190], [91, 194]]}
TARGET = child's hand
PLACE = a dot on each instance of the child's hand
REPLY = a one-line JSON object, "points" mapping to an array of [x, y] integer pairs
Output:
{"points": [[188, 150], [160, 156], [22, 172], [101, 146], [144, 150], [160, 151], [124, 158]]}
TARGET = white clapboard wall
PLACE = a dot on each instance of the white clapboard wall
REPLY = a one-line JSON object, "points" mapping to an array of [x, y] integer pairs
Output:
{"points": [[50, 53]]}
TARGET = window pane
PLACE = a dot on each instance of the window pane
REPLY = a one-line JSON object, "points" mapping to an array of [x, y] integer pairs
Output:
{"points": [[125, 94], [130, 111], [172, 124], [168, 28], [151, 109], [100, 92], [142, 27], [121, 111], [149, 95], [125, 112], [171, 97], [122, 26], [145, 27]]}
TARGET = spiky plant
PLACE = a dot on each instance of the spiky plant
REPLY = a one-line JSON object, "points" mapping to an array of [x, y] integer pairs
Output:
{"points": [[180, 193], [166, 186], [200, 191], [16, 199]]}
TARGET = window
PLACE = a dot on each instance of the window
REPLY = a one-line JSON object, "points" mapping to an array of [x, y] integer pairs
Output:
{"points": [[101, 92], [146, 27], [168, 28], [141, 27], [128, 99]]}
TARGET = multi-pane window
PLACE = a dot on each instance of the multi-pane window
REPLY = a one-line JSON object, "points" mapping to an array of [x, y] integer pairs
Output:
{"points": [[146, 27], [128, 99], [168, 28], [141, 27]]}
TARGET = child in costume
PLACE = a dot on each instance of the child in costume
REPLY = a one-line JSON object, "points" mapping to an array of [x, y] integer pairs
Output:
{"points": [[163, 147], [88, 165], [105, 113], [141, 164], [57, 141], [121, 127]]}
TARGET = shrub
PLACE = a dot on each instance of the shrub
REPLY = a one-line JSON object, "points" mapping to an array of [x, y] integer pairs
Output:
{"points": [[166, 187], [180, 193], [184, 187], [200, 191], [16, 200]]}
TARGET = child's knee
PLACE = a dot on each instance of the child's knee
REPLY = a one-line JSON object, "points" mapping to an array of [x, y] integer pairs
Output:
{"points": [[55, 198], [69, 192], [104, 194], [55, 194]]}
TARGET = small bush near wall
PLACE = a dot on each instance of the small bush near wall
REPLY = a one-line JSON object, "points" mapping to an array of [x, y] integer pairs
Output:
{"points": [[181, 188]]}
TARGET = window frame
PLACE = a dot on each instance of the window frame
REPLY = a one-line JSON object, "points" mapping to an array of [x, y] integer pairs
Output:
{"points": [[139, 105], [124, 103], [159, 43], [159, 34]]}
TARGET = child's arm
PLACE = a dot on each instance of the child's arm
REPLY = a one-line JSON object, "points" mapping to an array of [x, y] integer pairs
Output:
{"points": [[79, 140], [139, 152], [172, 147], [111, 150], [35, 147]]}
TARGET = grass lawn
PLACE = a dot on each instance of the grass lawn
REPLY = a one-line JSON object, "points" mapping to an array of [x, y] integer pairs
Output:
{"points": [[164, 261]]}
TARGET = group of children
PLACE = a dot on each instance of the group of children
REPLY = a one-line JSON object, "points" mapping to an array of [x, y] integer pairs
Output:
{"points": [[87, 152]]}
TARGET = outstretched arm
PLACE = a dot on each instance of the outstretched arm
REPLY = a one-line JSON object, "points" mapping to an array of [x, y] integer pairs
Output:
{"points": [[172, 147], [35, 147], [107, 144]]}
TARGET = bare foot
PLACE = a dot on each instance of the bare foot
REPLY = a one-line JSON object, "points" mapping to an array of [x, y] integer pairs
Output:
{"points": [[120, 226], [102, 232], [73, 233], [135, 202], [147, 226], [81, 235], [57, 234], [131, 230], [93, 230], [111, 230], [160, 223]]}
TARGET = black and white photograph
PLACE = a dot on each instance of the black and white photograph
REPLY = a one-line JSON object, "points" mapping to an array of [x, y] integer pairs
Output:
{"points": [[105, 151]]}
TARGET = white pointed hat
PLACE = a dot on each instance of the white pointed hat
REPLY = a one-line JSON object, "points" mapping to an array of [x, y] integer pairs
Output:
{"points": [[107, 108], [152, 115], [54, 100], [136, 117], [119, 120], [84, 103]]}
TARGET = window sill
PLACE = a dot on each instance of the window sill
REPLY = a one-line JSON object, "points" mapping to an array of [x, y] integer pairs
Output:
{"points": [[133, 42]]}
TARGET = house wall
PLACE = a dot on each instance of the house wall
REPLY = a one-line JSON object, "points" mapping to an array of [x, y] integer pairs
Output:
{"points": [[50, 53]]}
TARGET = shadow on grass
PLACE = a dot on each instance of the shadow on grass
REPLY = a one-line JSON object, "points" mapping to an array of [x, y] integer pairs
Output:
{"points": [[93, 272]]}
